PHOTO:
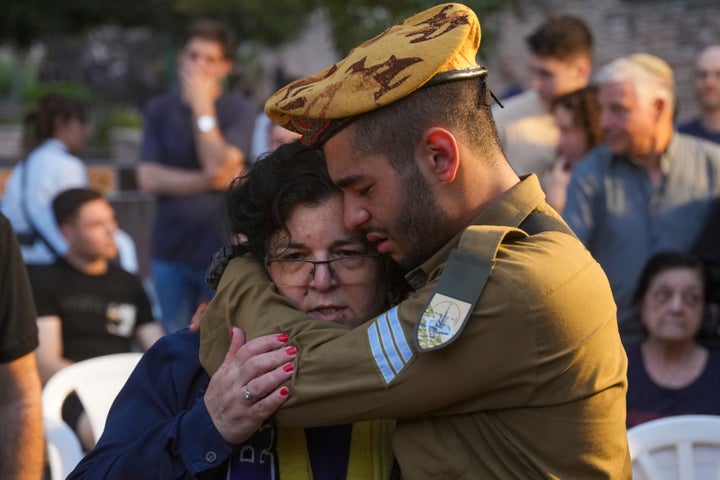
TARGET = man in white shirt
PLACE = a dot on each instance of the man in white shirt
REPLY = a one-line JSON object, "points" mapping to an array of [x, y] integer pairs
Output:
{"points": [[560, 62]]}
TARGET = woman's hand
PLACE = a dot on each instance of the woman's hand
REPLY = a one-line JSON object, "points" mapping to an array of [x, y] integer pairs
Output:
{"points": [[246, 390]]}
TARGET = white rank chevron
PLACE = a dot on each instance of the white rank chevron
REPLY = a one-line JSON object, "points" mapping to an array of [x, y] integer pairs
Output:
{"points": [[389, 347]]}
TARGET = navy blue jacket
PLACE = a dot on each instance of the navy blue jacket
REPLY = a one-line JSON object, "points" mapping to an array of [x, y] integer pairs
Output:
{"points": [[171, 436], [159, 428]]}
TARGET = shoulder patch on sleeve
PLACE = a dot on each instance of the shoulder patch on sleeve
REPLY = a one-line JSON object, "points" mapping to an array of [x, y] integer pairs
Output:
{"points": [[460, 286], [390, 349]]}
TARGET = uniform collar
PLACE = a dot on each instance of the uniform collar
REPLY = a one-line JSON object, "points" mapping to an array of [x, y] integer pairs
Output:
{"points": [[510, 209]]}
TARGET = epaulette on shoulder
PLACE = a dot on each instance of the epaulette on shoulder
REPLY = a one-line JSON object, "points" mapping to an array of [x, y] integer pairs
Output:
{"points": [[484, 240]]}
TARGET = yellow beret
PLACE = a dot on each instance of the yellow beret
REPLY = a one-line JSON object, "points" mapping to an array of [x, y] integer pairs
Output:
{"points": [[444, 38]]}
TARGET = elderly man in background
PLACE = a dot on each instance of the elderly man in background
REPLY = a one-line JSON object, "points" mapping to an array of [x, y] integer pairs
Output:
{"points": [[647, 188]]}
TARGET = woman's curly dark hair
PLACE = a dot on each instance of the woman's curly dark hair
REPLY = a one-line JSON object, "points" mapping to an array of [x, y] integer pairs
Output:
{"points": [[259, 203]]}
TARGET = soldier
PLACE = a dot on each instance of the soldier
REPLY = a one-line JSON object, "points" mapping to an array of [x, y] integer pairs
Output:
{"points": [[505, 361]]}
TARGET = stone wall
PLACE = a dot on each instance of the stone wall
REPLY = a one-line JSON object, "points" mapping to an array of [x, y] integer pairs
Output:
{"points": [[671, 29]]}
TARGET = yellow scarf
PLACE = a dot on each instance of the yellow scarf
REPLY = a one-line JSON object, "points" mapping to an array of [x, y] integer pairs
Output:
{"points": [[371, 455]]}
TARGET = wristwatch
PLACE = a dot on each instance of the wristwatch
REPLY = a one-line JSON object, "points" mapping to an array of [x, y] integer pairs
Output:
{"points": [[206, 123]]}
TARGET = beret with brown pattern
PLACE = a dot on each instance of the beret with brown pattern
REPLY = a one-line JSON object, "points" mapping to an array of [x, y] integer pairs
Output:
{"points": [[379, 71]]}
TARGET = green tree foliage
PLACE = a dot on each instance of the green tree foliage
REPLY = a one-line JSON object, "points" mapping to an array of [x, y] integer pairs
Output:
{"points": [[268, 22], [26, 21], [357, 20]]}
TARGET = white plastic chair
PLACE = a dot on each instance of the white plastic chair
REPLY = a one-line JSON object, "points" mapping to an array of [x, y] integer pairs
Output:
{"points": [[96, 382], [683, 447], [64, 451]]}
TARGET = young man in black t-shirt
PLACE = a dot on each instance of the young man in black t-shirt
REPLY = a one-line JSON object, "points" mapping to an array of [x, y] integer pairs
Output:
{"points": [[87, 305]]}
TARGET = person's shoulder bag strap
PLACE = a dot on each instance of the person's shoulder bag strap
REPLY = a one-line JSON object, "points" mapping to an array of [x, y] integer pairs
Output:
{"points": [[26, 210]]}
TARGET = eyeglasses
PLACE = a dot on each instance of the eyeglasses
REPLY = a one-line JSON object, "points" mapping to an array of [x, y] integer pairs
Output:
{"points": [[298, 272]]}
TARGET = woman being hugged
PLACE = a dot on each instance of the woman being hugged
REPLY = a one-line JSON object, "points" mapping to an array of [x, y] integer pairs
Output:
{"points": [[171, 420]]}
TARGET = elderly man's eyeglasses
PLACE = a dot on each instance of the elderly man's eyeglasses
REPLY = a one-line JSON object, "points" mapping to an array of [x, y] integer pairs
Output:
{"points": [[298, 272]]}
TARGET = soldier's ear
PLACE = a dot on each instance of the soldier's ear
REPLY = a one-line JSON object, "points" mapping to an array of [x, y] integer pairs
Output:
{"points": [[440, 150]]}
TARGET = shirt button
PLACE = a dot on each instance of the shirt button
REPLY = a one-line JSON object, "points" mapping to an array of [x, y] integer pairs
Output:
{"points": [[210, 456]]}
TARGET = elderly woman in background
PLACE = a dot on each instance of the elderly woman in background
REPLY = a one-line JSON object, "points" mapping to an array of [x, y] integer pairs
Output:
{"points": [[670, 373]]}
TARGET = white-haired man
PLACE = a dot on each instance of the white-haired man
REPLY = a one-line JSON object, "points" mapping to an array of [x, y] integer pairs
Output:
{"points": [[647, 188]]}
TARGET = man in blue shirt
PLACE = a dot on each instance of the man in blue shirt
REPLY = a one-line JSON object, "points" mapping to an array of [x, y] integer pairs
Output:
{"points": [[707, 91], [645, 190], [194, 144]]}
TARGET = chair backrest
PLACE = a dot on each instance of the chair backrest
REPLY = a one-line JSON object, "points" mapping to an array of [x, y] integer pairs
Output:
{"points": [[64, 451], [683, 447], [96, 381]]}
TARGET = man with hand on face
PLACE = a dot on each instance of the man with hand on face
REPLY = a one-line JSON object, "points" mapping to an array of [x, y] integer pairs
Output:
{"points": [[505, 361], [194, 144]]}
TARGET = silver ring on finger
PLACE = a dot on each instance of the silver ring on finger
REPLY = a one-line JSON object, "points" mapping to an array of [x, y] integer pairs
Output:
{"points": [[246, 394]]}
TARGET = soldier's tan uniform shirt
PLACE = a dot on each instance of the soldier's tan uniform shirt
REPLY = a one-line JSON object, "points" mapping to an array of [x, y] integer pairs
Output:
{"points": [[534, 387]]}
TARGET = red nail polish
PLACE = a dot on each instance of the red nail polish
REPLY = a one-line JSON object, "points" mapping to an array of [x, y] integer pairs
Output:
{"points": [[291, 350], [282, 338], [289, 367], [284, 391]]}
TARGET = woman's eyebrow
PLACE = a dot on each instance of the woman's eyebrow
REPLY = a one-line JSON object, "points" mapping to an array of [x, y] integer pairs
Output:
{"points": [[293, 245], [350, 239]]}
